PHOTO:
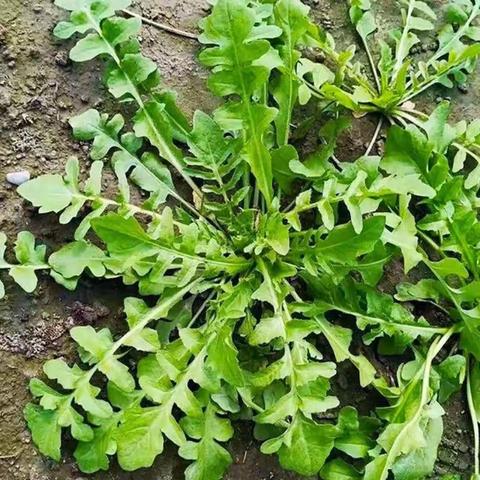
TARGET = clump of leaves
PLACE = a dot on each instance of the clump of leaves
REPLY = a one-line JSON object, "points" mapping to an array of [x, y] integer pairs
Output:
{"points": [[252, 300]]}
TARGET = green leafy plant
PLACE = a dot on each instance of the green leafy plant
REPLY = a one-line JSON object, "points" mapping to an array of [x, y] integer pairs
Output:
{"points": [[264, 280], [399, 72]]}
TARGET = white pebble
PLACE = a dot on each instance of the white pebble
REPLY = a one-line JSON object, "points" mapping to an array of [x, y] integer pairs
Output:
{"points": [[17, 178]]}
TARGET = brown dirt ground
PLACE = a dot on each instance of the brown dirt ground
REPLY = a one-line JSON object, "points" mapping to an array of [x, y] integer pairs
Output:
{"points": [[39, 91]]}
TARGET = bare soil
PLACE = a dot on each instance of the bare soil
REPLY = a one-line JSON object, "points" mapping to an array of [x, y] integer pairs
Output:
{"points": [[39, 90]]}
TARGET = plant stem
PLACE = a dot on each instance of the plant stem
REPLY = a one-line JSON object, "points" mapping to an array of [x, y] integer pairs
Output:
{"points": [[473, 416], [294, 294], [363, 107], [444, 284], [201, 309], [395, 449], [457, 36], [289, 206], [161, 309], [133, 208], [167, 249], [374, 138], [381, 321], [404, 115], [161, 26], [40, 266], [349, 70], [139, 165], [428, 82], [284, 135], [400, 47], [256, 196], [432, 243], [160, 142], [373, 67]]}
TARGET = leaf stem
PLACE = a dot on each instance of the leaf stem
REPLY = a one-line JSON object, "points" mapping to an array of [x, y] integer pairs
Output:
{"points": [[432, 243], [446, 287], [39, 266], [371, 61], [428, 82], [458, 35], [170, 155], [349, 70], [381, 321], [138, 164], [395, 449], [129, 206], [161, 309], [451, 42], [374, 138], [284, 135], [201, 309], [473, 416], [256, 196], [255, 134], [400, 56], [362, 107]]}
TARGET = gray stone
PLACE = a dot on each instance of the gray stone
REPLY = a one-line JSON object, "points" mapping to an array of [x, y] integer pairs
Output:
{"points": [[17, 178]]}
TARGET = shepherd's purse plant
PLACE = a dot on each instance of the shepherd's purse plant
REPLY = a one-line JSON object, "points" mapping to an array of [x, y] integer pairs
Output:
{"points": [[269, 275]]}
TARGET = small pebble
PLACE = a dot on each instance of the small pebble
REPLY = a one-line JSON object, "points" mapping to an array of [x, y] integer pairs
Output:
{"points": [[17, 178], [61, 59]]}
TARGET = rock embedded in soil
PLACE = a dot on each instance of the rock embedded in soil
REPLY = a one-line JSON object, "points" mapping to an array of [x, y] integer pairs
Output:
{"points": [[17, 178], [61, 59]]}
